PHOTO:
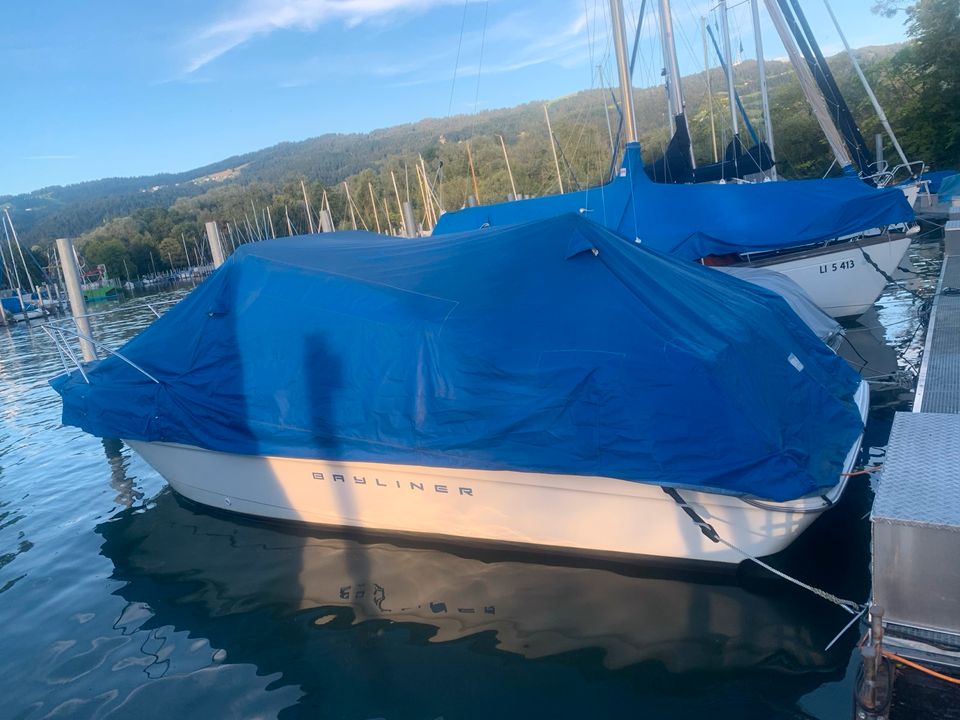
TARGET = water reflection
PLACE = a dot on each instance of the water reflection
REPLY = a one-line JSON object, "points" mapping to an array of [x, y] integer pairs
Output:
{"points": [[127, 492], [388, 619]]}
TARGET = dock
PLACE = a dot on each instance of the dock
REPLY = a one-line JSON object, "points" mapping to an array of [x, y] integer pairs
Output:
{"points": [[915, 523]]}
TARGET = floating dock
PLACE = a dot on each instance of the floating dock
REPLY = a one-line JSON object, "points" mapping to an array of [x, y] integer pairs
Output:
{"points": [[915, 525]]}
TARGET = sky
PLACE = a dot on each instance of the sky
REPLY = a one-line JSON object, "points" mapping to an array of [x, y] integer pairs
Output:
{"points": [[111, 88]]}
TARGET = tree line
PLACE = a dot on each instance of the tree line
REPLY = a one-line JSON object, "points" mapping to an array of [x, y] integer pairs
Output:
{"points": [[161, 228]]}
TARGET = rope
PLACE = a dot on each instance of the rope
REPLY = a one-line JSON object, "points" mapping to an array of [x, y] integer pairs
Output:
{"points": [[921, 668], [886, 276], [710, 532], [850, 606], [862, 471]]}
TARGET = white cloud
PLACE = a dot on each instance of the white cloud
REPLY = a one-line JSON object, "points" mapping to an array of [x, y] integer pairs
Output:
{"points": [[260, 17]]}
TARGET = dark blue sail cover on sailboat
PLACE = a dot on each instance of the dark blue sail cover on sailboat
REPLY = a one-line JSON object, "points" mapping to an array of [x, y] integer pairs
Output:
{"points": [[694, 221], [554, 346]]}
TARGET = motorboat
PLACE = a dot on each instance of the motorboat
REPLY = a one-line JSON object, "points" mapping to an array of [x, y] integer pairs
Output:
{"points": [[548, 384]]}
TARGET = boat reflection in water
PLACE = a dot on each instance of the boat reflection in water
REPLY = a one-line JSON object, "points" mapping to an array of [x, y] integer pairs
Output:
{"points": [[365, 626]]}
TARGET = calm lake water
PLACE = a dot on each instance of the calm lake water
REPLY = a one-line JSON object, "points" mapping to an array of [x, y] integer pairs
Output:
{"points": [[118, 599]]}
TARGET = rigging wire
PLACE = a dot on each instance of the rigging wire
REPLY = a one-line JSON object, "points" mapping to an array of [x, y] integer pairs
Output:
{"points": [[483, 37], [456, 64]]}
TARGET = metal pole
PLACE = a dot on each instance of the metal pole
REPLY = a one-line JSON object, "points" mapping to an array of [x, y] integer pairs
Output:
{"points": [[373, 202], [353, 218], [675, 92], [810, 91], [626, 87], [762, 72], [731, 91], [326, 221], [386, 215], [553, 149], [473, 172], [306, 204], [878, 144], [866, 86], [428, 192], [16, 241], [216, 249], [330, 226], [423, 197], [403, 219], [78, 307], [409, 222], [503, 146], [13, 258], [706, 66]]}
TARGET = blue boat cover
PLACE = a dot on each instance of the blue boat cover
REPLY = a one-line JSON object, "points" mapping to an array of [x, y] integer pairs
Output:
{"points": [[13, 305], [694, 221], [949, 188], [554, 346]]}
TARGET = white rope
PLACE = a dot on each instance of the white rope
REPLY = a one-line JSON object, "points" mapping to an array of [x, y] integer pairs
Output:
{"points": [[710, 532], [849, 605]]}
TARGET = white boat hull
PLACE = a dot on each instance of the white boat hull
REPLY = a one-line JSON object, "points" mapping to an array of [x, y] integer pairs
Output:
{"points": [[593, 514], [838, 278]]}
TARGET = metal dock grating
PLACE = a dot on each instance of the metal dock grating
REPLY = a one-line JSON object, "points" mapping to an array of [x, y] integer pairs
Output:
{"points": [[938, 388]]}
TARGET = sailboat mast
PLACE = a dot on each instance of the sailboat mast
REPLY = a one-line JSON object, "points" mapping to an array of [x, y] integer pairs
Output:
{"points": [[373, 204], [306, 204], [626, 93], [353, 217], [866, 86], [810, 91], [675, 92], [731, 91], [706, 68], [506, 159], [553, 149], [762, 72], [33, 288]]}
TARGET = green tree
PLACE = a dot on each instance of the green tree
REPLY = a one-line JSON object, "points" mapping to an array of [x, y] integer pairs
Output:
{"points": [[172, 252], [927, 72]]}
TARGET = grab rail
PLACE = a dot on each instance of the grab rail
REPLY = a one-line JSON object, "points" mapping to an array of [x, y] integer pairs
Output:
{"points": [[58, 331], [57, 335]]}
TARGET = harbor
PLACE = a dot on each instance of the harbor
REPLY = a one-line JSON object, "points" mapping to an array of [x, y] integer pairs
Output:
{"points": [[640, 400], [123, 588]]}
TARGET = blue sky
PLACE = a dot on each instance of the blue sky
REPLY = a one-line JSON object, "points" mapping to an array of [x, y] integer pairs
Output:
{"points": [[122, 87]]}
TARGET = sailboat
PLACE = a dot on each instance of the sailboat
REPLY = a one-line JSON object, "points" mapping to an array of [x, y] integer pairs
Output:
{"points": [[544, 385], [839, 239]]}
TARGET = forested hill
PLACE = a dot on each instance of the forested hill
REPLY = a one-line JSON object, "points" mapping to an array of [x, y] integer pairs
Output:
{"points": [[579, 122]]}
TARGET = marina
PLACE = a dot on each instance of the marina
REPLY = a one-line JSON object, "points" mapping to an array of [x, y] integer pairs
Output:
{"points": [[639, 401], [157, 594]]}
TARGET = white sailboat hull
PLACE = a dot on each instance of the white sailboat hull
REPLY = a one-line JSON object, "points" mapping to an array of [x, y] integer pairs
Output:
{"points": [[838, 278], [593, 514]]}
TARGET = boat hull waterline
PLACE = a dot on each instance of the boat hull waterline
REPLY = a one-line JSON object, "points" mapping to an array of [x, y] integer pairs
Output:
{"points": [[585, 514]]}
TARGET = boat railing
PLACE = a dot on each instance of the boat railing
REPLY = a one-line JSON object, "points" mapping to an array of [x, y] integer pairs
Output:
{"points": [[65, 333], [59, 337]]}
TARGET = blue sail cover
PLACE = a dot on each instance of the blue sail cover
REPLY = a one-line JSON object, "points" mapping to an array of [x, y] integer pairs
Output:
{"points": [[694, 221], [554, 346]]}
